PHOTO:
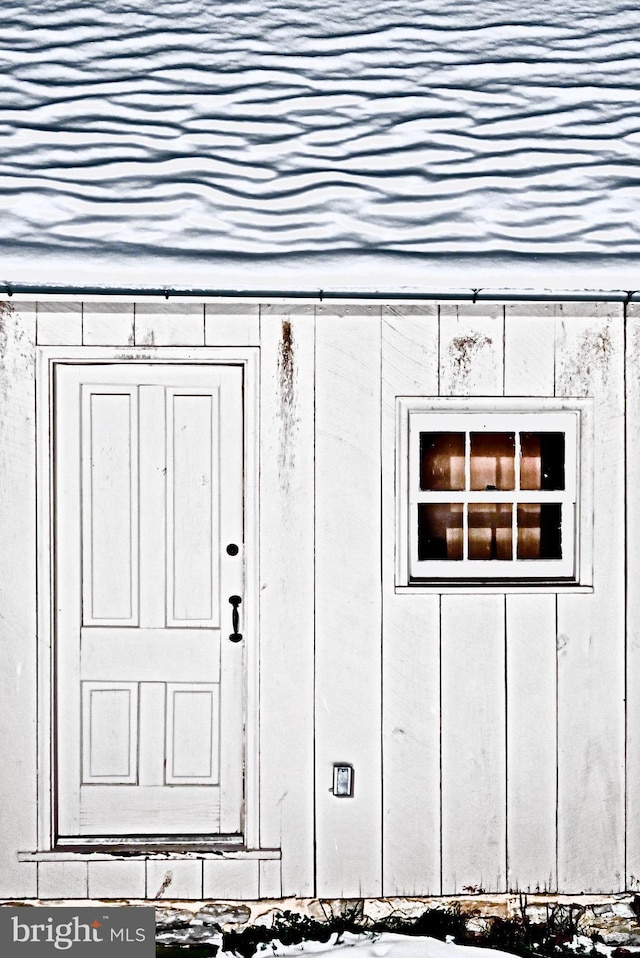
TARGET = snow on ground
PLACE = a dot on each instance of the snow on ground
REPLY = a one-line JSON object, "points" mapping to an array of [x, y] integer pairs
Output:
{"points": [[372, 142], [385, 945], [389, 945]]}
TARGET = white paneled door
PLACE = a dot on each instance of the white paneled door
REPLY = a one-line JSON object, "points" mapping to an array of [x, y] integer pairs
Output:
{"points": [[148, 556]]}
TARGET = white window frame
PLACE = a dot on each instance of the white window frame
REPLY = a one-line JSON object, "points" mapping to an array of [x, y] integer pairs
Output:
{"points": [[423, 414]]}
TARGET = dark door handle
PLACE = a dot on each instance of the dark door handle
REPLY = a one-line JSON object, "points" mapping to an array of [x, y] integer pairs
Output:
{"points": [[235, 601]]}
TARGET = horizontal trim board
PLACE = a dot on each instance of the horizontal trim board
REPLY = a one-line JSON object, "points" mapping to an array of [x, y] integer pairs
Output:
{"points": [[468, 294], [79, 854]]}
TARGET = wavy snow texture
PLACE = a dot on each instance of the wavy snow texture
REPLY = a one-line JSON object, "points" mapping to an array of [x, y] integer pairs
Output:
{"points": [[274, 128]]}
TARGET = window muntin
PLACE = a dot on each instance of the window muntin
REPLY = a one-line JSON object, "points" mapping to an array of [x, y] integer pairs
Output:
{"points": [[492, 495]]}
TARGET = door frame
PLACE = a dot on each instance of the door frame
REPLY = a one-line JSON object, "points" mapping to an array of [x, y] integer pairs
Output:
{"points": [[47, 358]]}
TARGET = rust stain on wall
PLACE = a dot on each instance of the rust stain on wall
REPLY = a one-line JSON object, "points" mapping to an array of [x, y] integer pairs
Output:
{"points": [[463, 350], [590, 362], [287, 382]]}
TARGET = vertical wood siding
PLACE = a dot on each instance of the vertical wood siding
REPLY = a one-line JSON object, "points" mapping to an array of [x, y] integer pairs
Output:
{"points": [[531, 742], [471, 350], [348, 626], [473, 652], [17, 596], [411, 638], [531, 708], [591, 639], [531, 722], [529, 350], [286, 592], [633, 597], [473, 744]]}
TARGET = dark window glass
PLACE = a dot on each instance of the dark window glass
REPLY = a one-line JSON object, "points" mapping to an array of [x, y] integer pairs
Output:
{"points": [[493, 456], [442, 461], [440, 530], [539, 530], [542, 460], [490, 530]]}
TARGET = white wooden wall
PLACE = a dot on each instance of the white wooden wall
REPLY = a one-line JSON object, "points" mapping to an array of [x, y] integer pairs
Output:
{"points": [[17, 596], [487, 731], [287, 573], [348, 602], [530, 716], [633, 597]]}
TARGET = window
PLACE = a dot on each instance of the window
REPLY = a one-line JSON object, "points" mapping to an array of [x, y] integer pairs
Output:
{"points": [[488, 495]]}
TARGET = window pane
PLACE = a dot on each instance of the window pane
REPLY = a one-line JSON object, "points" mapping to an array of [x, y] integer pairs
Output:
{"points": [[490, 530], [440, 530], [540, 530], [442, 460], [493, 460], [542, 462]]}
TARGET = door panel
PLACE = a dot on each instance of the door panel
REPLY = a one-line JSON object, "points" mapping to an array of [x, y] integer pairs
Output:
{"points": [[109, 733], [192, 522], [110, 507], [193, 733], [150, 653], [149, 689], [135, 808]]}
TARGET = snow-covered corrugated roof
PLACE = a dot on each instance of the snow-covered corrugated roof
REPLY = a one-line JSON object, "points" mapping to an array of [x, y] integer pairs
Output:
{"points": [[320, 142]]}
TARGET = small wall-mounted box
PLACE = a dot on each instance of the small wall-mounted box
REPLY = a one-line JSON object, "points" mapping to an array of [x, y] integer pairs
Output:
{"points": [[343, 781]]}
